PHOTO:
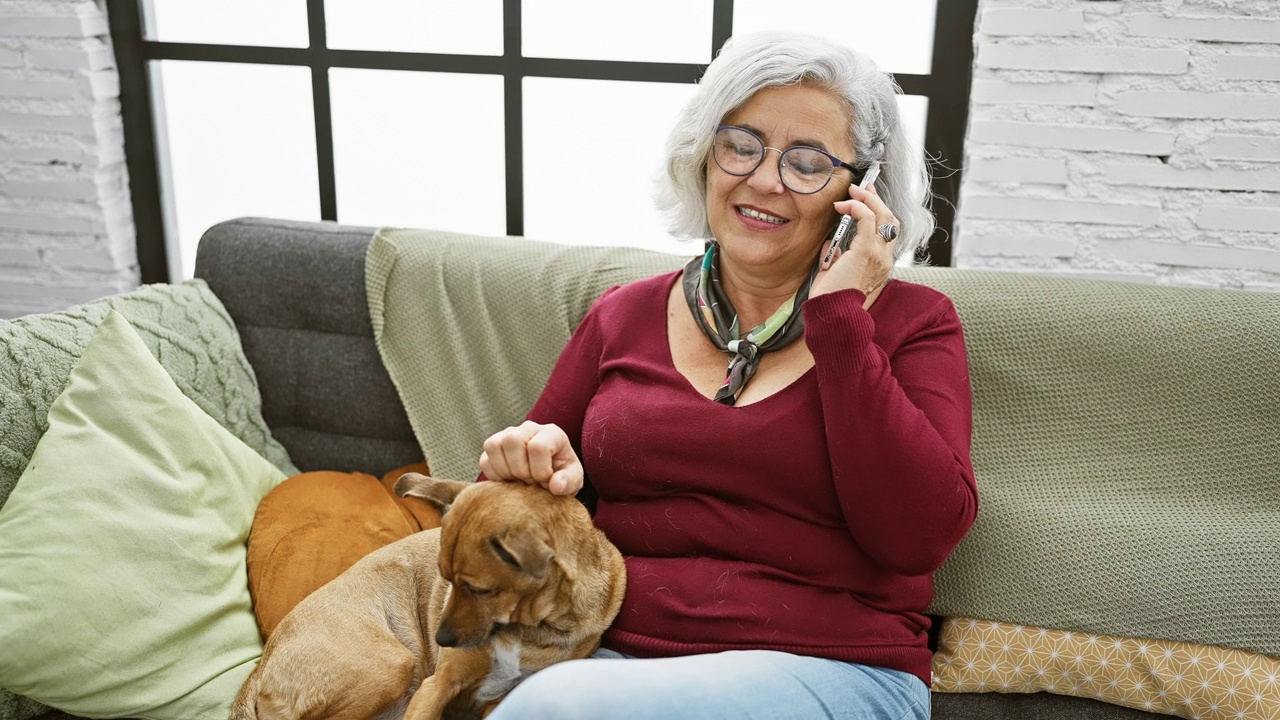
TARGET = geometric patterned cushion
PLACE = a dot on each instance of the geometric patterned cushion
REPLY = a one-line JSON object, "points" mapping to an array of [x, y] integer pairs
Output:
{"points": [[1203, 682]]}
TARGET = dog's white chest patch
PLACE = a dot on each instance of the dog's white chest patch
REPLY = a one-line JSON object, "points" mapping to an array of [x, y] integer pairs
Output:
{"points": [[506, 673]]}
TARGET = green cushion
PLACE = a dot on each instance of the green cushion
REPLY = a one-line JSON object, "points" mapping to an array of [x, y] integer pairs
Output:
{"points": [[122, 548], [184, 325]]}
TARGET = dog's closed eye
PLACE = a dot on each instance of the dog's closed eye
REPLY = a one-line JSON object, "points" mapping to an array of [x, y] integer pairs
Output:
{"points": [[473, 590]]}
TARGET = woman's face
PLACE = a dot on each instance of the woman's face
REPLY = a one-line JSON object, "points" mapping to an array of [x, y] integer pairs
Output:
{"points": [[794, 225]]}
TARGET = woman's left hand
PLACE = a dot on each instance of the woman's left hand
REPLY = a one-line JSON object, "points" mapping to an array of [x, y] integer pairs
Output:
{"points": [[866, 265]]}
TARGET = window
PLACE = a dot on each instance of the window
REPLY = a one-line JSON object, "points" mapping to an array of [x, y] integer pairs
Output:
{"points": [[458, 116]]}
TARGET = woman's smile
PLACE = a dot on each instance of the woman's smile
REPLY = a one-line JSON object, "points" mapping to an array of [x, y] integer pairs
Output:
{"points": [[759, 219]]}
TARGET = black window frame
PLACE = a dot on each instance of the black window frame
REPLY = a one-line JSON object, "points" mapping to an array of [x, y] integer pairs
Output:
{"points": [[947, 88]]}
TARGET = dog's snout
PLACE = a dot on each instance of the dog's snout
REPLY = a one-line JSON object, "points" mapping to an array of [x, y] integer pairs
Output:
{"points": [[445, 637]]}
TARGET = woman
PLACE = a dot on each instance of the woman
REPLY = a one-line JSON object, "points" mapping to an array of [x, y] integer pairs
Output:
{"points": [[781, 520]]}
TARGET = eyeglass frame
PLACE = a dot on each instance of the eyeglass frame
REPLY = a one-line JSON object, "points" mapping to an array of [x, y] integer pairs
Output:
{"points": [[858, 173]]}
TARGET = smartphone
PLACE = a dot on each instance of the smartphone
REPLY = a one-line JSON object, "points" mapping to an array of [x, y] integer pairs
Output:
{"points": [[841, 238]]}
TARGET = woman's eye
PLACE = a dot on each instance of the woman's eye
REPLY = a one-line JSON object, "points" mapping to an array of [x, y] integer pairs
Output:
{"points": [[808, 163]]}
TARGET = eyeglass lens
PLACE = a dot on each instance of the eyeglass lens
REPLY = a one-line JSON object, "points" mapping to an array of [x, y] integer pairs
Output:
{"points": [[803, 170]]}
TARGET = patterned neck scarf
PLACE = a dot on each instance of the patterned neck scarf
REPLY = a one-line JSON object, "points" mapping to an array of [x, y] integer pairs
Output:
{"points": [[719, 322]]}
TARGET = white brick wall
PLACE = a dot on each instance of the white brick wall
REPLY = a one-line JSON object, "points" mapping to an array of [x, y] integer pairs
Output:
{"points": [[1132, 139], [66, 224]]}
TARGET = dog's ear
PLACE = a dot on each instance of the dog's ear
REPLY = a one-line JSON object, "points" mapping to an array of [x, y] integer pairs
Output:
{"points": [[439, 493], [524, 550]]}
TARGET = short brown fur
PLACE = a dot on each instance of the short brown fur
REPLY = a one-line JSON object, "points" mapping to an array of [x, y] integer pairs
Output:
{"points": [[511, 565]]}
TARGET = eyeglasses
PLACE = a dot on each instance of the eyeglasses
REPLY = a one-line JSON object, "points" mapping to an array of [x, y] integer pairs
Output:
{"points": [[803, 169]]}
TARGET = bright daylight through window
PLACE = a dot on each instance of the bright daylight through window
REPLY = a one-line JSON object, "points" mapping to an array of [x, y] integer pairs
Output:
{"points": [[428, 149]]}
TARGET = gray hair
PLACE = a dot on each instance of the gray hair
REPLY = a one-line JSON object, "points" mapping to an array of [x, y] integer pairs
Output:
{"points": [[749, 63]]}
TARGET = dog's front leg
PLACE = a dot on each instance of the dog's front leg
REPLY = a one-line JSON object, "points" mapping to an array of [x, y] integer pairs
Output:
{"points": [[456, 670]]}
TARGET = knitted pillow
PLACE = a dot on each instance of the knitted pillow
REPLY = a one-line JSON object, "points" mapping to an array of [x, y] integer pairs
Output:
{"points": [[184, 326], [122, 547], [1203, 682]]}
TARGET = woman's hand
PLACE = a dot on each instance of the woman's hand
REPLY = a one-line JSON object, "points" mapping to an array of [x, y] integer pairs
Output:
{"points": [[867, 263], [534, 454]]}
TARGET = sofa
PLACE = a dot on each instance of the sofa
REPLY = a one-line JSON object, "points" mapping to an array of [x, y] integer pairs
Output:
{"points": [[298, 295]]}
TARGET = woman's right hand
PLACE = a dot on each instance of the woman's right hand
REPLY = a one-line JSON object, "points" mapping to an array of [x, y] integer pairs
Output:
{"points": [[534, 454], [870, 257]]}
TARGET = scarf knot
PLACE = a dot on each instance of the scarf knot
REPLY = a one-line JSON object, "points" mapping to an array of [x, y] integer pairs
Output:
{"points": [[744, 348], [716, 317]]}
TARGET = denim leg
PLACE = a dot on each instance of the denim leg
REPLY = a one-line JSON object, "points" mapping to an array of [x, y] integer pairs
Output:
{"points": [[735, 685]]}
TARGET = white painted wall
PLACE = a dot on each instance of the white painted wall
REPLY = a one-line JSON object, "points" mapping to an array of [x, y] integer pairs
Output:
{"points": [[66, 224], [1131, 139]]}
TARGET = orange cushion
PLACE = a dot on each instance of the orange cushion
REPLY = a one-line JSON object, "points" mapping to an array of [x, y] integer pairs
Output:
{"points": [[314, 526]]}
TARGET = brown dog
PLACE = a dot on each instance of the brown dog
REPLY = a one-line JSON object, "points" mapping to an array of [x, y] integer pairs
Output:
{"points": [[514, 580]]}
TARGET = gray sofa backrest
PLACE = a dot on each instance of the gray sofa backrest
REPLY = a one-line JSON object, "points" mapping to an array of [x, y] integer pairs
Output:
{"points": [[297, 294]]}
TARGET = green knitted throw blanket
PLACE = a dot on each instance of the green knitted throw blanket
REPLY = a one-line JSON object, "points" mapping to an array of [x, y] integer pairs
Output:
{"points": [[1127, 451], [1126, 437], [470, 327]]}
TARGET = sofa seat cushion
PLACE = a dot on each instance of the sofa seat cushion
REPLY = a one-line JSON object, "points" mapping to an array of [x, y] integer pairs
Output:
{"points": [[122, 547]]}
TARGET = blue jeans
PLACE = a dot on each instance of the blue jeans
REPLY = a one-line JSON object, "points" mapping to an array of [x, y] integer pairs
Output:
{"points": [[734, 685]]}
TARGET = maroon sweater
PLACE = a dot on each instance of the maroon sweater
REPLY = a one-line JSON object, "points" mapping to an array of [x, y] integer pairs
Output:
{"points": [[810, 521]]}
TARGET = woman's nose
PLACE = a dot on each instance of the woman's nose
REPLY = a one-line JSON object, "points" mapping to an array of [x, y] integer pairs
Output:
{"points": [[767, 177]]}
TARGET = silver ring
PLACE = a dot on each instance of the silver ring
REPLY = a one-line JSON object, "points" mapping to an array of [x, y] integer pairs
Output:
{"points": [[888, 231]]}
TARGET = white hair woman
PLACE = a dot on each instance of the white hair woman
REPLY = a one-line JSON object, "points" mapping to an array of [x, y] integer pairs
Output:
{"points": [[775, 59], [782, 519]]}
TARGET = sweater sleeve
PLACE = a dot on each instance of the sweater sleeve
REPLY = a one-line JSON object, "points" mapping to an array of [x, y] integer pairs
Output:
{"points": [[573, 383], [898, 429]]}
